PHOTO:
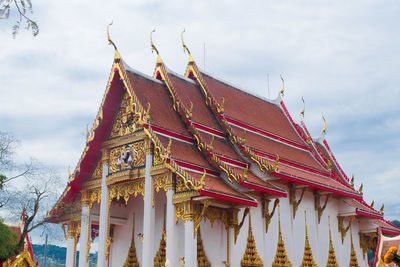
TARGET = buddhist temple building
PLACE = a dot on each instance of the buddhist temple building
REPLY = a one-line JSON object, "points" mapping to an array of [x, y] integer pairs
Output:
{"points": [[190, 170]]}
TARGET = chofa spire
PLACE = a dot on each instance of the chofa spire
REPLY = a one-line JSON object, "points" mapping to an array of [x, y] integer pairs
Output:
{"points": [[154, 48], [185, 48], [117, 57]]}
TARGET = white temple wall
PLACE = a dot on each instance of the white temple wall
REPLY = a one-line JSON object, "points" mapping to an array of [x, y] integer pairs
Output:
{"points": [[123, 233], [214, 242]]}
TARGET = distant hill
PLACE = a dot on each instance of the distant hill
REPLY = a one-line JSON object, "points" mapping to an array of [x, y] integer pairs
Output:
{"points": [[56, 256]]}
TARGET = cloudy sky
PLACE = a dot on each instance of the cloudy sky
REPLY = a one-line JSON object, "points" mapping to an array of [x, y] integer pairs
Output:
{"points": [[341, 56]]}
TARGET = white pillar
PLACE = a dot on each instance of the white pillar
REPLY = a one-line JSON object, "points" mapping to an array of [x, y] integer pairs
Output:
{"points": [[83, 240], [170, 229], [69, 260], [101, 261], [148, 214], [190, 244]]}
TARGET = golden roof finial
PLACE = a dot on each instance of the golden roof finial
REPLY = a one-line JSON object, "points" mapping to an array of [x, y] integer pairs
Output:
{"points": [[372, 203], [183, 43], [352, 181], [360, 189], [323, 132], [382, 207], [282, 91], [185, 48], [110, 42], [69, 172], [153, 47], [304, 107]]}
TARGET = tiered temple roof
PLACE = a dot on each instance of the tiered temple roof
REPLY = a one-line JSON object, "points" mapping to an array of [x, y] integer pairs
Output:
{"points": [[211, 135]]}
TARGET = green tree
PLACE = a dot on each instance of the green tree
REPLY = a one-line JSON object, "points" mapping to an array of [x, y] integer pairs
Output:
{"points": [[8, 240], [23, 8]]}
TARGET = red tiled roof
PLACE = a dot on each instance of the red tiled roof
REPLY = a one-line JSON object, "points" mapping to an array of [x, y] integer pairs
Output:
{"points": [[316, 180], [252, 110], [161, 111], [276, 148], [385, 225], [185, 152], [364, 208], [189, 92], [215, 184], [222, 147]]}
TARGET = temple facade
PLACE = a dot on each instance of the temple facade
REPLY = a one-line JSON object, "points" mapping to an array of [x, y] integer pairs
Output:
{"points": [[188, 170]]}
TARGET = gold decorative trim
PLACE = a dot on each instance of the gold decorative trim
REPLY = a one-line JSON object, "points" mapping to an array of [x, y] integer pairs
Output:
{"points": [[332, 262], [160, 258], [308, 259], [343, 230], [281, 258], [131, 259], [202, 260], [251, 257], [127, 189], [292, 198], [317, 204], [353, 256], [237, 227], [265, 211]]}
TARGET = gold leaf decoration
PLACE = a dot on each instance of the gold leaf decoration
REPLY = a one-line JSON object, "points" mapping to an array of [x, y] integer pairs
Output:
{"points": [[202, 260], [281, 258], [131, 259], [332, 262], [308, 259], [251, 257]]}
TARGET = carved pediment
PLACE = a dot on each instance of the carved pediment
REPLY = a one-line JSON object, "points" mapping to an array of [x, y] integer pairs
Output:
{"points": [[124, 122]]}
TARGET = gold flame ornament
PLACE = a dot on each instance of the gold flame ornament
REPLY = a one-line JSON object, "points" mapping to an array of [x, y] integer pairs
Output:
{"points": [[185, 48], [302, 111], [153, 47], [110, 42], [282, 91], [360, 189], [323, 132]]}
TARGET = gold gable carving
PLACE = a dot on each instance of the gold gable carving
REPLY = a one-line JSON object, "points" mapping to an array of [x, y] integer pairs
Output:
{"points": [[116, 154], [98, 171], [124, 122]]}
